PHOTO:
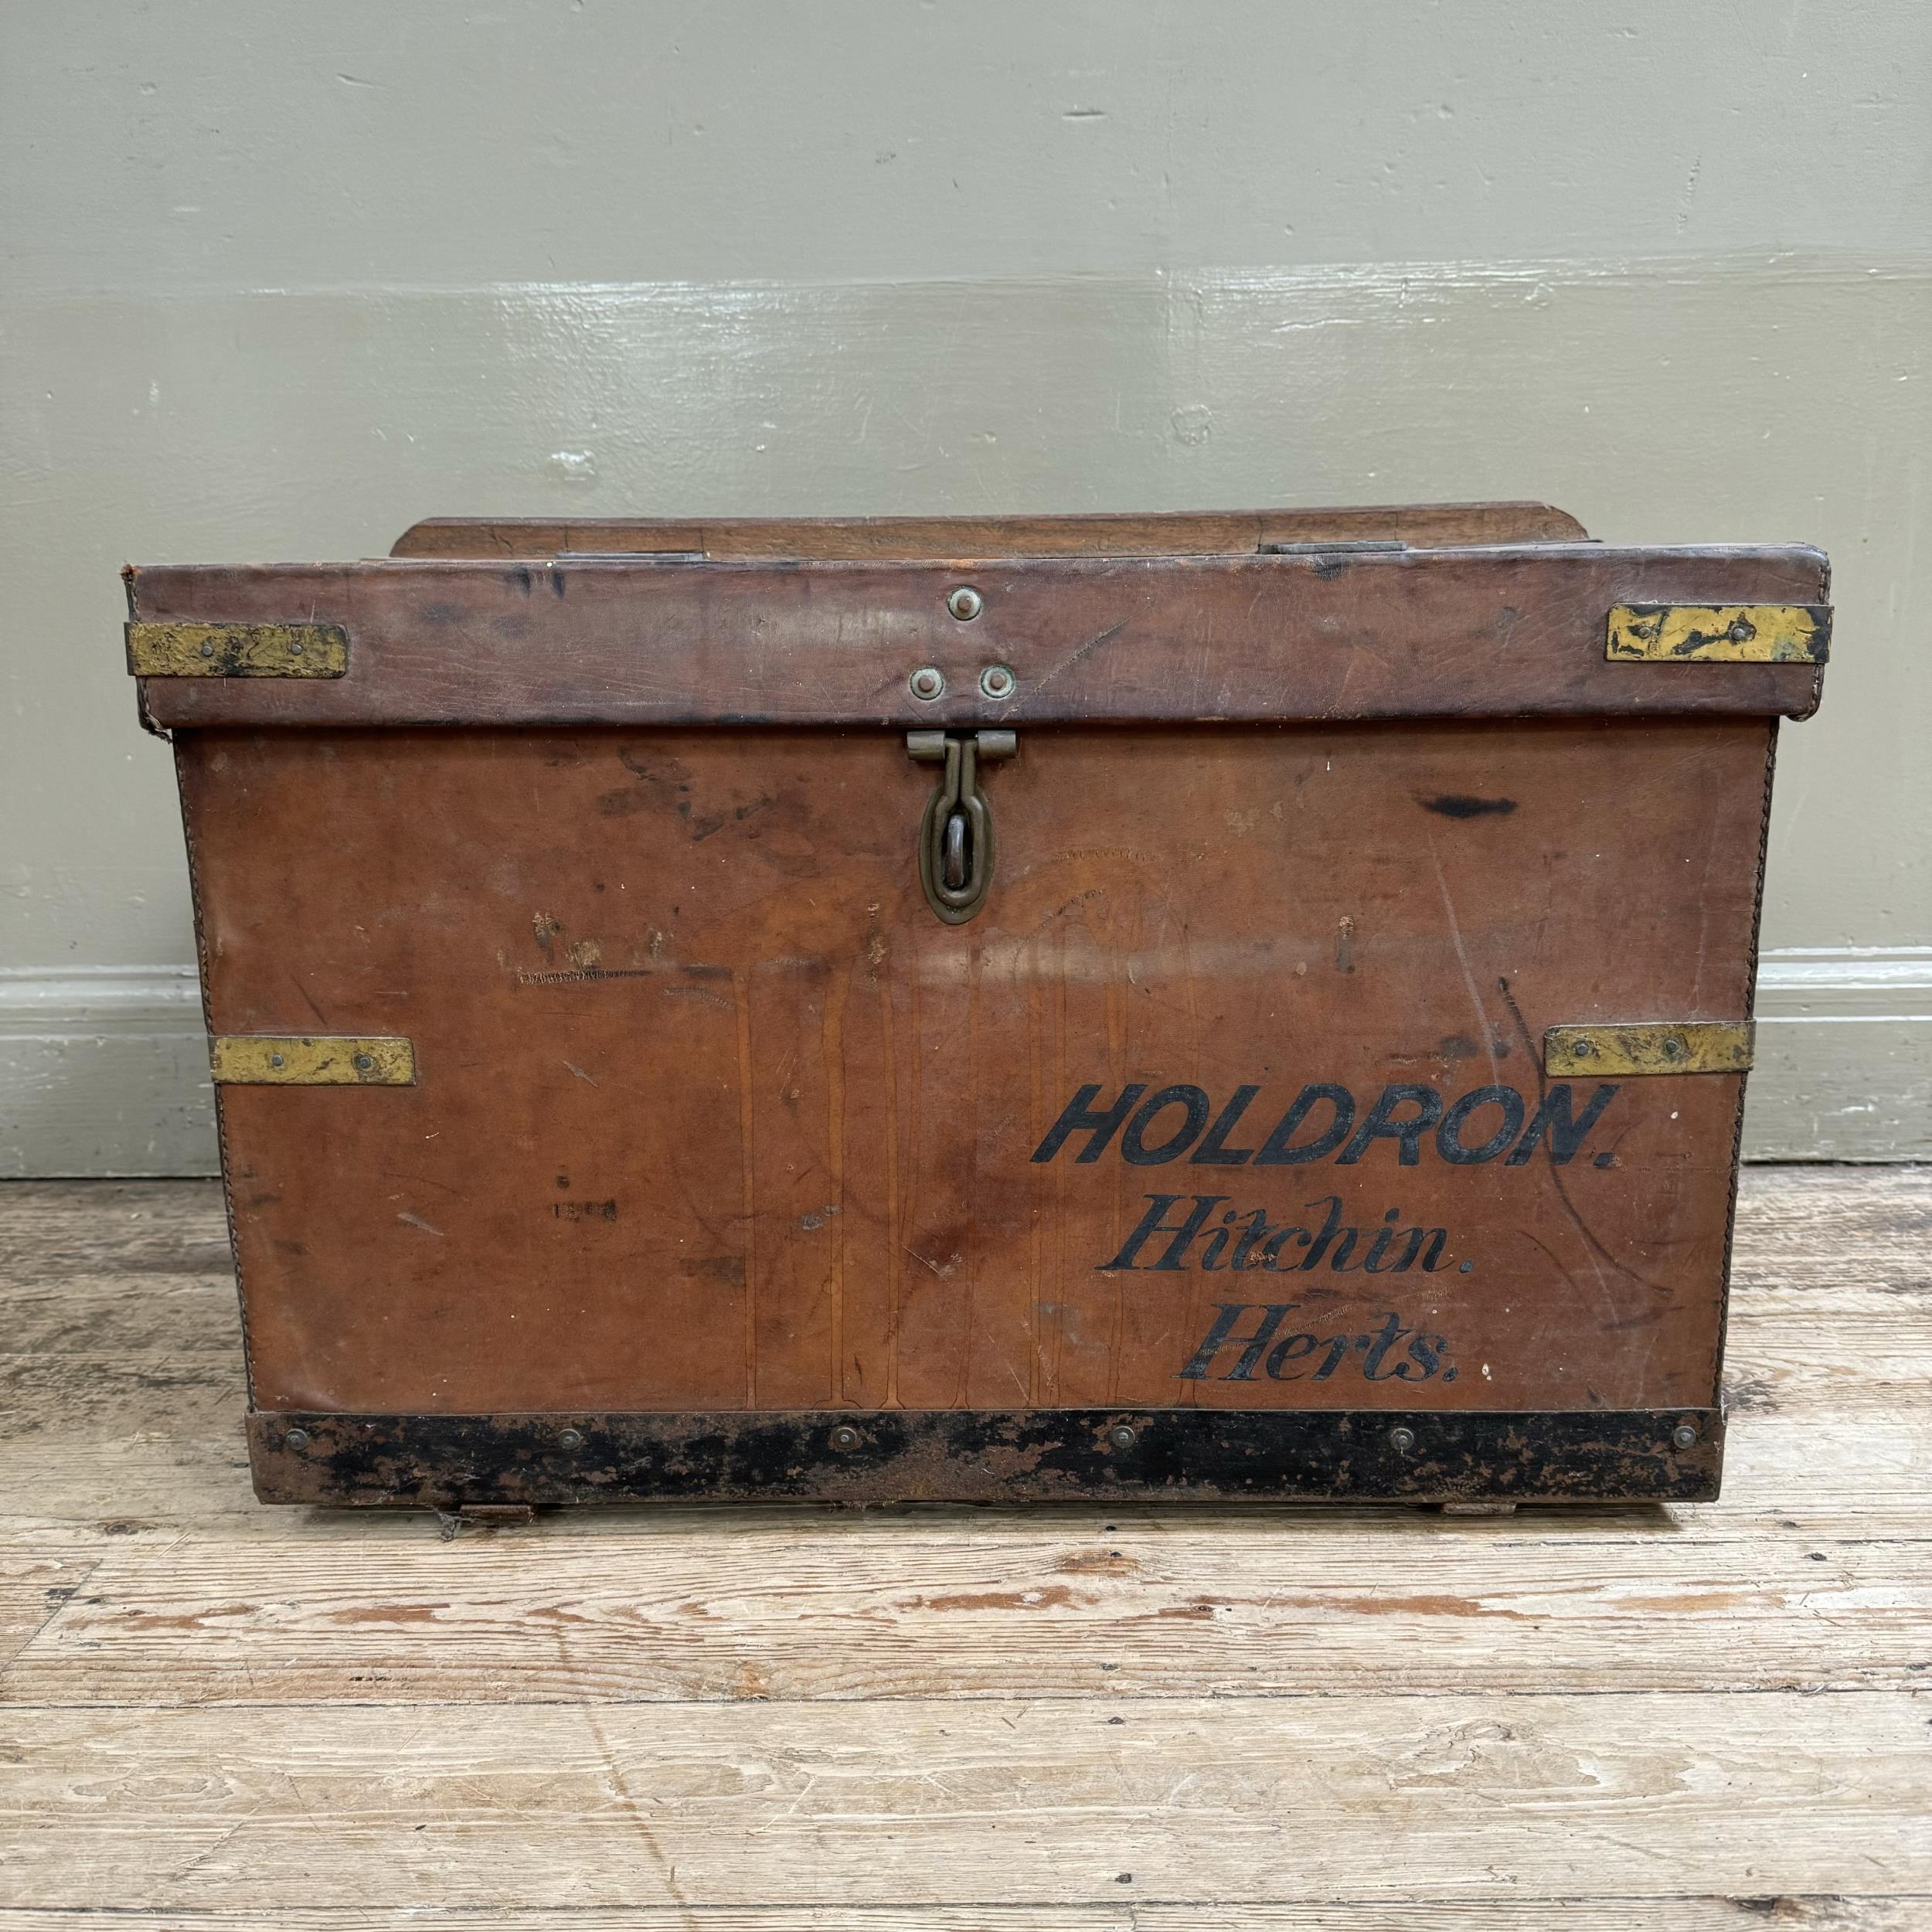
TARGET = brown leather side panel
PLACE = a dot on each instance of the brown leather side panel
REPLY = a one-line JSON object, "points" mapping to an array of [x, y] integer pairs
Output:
{"points": [[1176, 534], [1439, 633], [712, 1113]]}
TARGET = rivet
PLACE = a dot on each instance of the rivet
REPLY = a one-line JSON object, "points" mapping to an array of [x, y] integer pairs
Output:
{"points": [[1741, 631], [208, 650], [364, 1063], [965, 603], [927, 684], [570, 1438], [1122, 1436], [1581, 1050], [294, 650], [1402, 1441], [1684, 1436], [274, 1059], [296, 1438], [844, 1437], [1673, 1048], [996, 682]]}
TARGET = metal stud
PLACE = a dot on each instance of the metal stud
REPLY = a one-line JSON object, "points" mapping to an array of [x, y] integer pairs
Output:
{"points": [[996, 682], [1402, 1441], [570, 1438], [965, 603], [296, 1438], [1122, 1436], [926, 683], [844, 1437], [1684, 1436]]}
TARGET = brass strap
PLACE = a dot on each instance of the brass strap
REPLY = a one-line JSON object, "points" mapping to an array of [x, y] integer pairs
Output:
{"points": [[276, 1059], [1720, 633], [1662, 1046], [237, 650]]}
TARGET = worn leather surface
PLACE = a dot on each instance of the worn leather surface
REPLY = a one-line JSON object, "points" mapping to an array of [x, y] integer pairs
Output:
{"points": [[1172, 534], [713, 1114], [1503, 632]]}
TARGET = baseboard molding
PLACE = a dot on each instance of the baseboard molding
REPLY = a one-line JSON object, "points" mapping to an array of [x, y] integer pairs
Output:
{"points": [[103, 1070], [1844, 1066]]}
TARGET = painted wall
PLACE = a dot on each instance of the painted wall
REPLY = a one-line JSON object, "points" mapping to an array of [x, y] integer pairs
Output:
{"points": [[279, 279]]}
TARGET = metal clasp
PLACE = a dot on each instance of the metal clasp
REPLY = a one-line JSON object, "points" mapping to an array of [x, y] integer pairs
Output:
{"points": [[956, 828]]}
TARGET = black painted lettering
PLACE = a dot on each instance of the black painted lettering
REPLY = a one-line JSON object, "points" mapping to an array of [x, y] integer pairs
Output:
{"points": [[1339, 1347], [1319, 1243], [1278, 1150], [1194, 1104], [1217, 1242], [1415, 1242], [1080, 1118], [1214, 1151], [1379, 1344], [1382, 1124], [1221, 1335], [1276, 1241], [1258, 1230], [1427, 1353], [1372, 1261], [1155, 1221], [1449, 1141], [1290, 1348], [1554, 1117]]}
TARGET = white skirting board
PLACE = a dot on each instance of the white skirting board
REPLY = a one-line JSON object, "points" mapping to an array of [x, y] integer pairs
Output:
{"points": [[104, 1069]]}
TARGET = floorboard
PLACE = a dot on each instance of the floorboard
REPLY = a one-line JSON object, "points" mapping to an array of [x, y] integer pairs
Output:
{"points": [[214, 1714]]}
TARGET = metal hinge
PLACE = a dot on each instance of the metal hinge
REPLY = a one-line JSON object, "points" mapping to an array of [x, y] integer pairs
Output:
{"points": [[956, 828]]}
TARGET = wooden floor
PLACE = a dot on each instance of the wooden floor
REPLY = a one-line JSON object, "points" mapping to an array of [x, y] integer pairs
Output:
{"points": [[218, 1715]]}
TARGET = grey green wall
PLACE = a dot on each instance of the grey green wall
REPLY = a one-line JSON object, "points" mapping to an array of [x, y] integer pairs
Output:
{"points": [[279, 279]]}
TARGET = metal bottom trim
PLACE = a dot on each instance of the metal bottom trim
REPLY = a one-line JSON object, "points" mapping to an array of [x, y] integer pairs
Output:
{"points": [[1420, 1456]]}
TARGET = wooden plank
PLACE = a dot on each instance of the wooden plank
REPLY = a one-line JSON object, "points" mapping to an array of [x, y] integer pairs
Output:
{"points": [[887, 1803], [1835, 1913], [1498, 632], [1844, 1238], [777, 1611], [33, 1585], [56, 1232]]}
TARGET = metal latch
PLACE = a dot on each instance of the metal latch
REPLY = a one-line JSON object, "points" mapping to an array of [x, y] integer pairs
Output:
{"points": [[956, 828]]}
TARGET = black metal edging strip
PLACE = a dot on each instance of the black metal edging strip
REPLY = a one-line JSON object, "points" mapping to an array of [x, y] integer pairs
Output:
{"points": [[906, 1455]]}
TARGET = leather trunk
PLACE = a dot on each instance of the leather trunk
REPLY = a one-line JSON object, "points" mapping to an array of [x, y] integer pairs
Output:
{"points": [[1197, 1006]]}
